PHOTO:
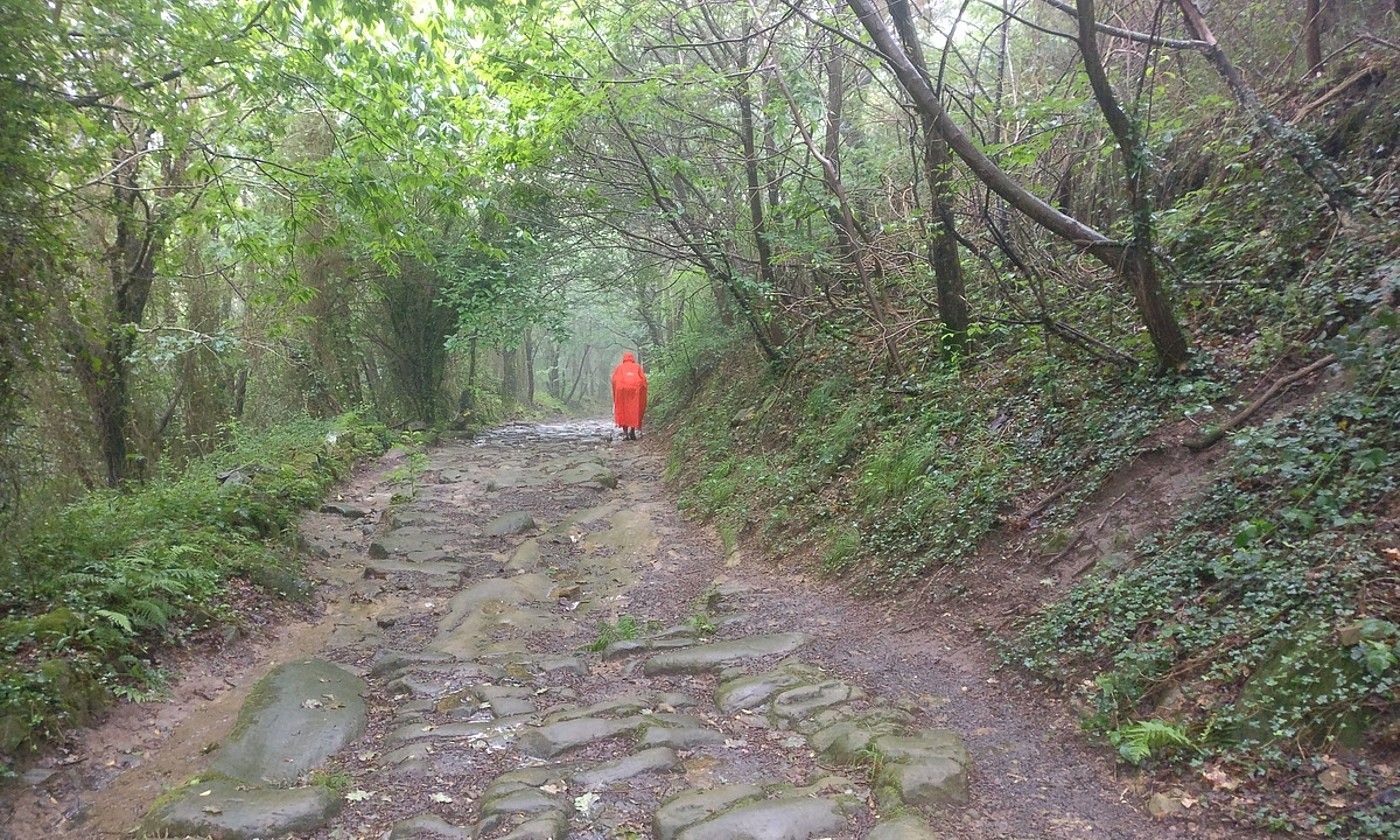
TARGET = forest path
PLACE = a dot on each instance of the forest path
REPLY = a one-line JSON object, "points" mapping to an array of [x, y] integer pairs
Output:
{"points": [[449, 691]]}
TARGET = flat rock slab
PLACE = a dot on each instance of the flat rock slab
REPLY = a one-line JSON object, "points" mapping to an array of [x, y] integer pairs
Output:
{"points": [[293, 719], [929, 785], [712, 657], [347, 511], [596, 475], [755, 690], [773, 819], [515, 522], [554, 738], [654, 760], [692, 806], [907, 827], [796, 705], [428, 827], [551, 826], [222, 810]]}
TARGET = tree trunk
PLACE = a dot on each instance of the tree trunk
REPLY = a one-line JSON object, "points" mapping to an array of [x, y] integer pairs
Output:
{"points": [[510, 374], [529, 367], [1312, 35], [102, 352], [1151, 297], [1295, 142], [943, 254], [1112, 254], [554, 382]]}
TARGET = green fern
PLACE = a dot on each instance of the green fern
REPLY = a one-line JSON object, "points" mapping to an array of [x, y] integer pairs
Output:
{"points": [[121, 620], [1137, 741]]}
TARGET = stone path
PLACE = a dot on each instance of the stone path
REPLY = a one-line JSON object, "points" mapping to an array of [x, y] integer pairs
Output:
{"points": [[516, 692], [527, 641]]}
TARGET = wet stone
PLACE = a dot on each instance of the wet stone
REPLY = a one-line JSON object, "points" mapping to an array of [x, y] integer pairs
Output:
{"points": [[907, 827], [929, 745], [347, 511], [428, 827], [553, 825], [927, 785], [797, 705], [713, 657], [526, 800], [845, 741], [229, 812], [508, 524], [595, 475], [495, 732], [692, 806], [754, 691], [554, 738], [293, 719], [773, 819], [416, 686], [391, 661], [679, 737], [654, 760], [506, 701], [625, 647], [613, 707]]}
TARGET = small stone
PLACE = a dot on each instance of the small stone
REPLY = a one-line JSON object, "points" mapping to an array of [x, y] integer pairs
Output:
{"points": [[347, 511], [508, 524], [38, 776], [524, 801], [1161, 806], [1334, 778]]}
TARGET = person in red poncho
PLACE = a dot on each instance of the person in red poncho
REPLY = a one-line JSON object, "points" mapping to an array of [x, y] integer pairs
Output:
{"points": [[629, 388]]}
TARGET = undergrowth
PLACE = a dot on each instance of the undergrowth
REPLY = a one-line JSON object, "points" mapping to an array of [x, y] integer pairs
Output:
{"points": [[891, 485], [1265, 618], [88, 593]]}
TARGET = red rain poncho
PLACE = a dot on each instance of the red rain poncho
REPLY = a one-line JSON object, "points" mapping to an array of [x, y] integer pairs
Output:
{"points": [[629, 388]]}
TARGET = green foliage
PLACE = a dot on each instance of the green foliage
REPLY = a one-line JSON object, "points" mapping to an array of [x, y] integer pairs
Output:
{"points": [[893, 486], [115, 574], [1139, 740], [625, 628], [1259, 596]]}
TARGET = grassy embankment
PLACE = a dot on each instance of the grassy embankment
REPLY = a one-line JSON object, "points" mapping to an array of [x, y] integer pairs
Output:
{"points": [[91, 591]]}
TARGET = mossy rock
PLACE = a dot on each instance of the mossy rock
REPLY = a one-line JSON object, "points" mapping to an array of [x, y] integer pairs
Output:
{"points": [[15, 733], [283, 579], [57, 624], [1306, 672], [81, 696], [50, 626]]}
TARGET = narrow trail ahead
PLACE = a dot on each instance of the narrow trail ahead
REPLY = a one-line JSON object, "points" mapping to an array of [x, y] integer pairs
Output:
{"points": [[448, 690]]}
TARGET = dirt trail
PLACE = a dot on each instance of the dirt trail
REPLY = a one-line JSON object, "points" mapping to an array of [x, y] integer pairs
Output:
{"points": [[449, 690]]}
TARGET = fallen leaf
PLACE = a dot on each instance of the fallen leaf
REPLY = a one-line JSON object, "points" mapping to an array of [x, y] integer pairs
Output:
{"points": [[207, 792], [584, 804], [553, 788], [441, 797], [1220, 779], [358, 796]]}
